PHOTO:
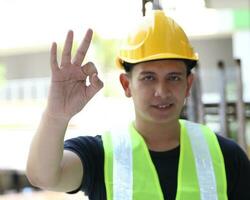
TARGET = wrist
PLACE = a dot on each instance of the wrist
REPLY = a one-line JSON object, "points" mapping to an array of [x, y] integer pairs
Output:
{"points": [[56, 117]]}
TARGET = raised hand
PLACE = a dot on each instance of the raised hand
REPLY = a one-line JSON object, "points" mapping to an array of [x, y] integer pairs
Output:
{"points": [[69, 92]]}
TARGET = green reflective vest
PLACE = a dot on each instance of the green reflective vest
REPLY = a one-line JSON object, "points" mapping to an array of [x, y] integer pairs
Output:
{"points": [[131, 175]]}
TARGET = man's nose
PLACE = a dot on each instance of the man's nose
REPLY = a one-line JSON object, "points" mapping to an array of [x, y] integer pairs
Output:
{"points": [[162, 90]]}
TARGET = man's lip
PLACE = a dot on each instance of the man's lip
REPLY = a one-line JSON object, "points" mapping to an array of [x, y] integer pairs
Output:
{"points": [[162, 105]]}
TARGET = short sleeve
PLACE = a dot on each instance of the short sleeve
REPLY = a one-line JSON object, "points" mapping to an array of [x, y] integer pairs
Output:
{"points": [[237, 167], [90, 151]]}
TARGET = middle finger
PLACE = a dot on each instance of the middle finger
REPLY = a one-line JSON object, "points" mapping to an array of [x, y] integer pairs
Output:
{"points": [[83, 48]]}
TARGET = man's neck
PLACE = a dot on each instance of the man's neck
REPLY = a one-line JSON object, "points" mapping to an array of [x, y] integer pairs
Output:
{"points": [[159, 136]]}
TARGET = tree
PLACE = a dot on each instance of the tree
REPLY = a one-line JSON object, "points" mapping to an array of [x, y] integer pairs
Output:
{"points": [[105, 52]]}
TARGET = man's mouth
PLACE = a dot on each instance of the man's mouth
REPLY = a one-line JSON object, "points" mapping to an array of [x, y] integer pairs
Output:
{"points": [[163, 106]]}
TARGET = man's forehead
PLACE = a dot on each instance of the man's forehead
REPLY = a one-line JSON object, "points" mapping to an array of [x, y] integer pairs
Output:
{"points": [[161, 65]]}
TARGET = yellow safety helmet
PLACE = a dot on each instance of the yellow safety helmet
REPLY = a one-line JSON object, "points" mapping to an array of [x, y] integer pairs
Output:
{"points": [[157, 37]]}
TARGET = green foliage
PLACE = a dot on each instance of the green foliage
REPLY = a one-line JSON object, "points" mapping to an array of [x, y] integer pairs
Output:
{"points": [[241, 19], [105, 52]]}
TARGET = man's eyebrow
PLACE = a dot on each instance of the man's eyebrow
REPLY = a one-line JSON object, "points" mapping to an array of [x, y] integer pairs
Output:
{"points": [[168, 74], [146, 72], [176, 73]]}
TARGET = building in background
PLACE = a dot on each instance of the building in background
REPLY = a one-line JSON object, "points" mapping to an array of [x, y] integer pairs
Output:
{"points": [[219, 31]]}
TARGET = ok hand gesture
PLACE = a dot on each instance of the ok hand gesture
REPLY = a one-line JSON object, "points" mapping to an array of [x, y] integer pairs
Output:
{"points": [[69, 92]]}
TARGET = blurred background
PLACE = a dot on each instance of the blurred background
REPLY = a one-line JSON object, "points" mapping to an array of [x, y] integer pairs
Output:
{"points": [[218, 29]]}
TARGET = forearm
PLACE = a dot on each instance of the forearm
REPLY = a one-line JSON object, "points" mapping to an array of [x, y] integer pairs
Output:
{"points": [[48, 166], [46, 151]]}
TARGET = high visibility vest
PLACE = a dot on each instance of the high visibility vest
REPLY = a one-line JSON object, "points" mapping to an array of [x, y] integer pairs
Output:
{"points": [[131, 175]]}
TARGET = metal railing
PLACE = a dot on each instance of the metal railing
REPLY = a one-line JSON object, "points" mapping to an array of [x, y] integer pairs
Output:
{"points": [[25, 89]]}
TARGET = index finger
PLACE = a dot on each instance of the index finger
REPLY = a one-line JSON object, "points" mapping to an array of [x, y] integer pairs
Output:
{"points": [[83, 48]]}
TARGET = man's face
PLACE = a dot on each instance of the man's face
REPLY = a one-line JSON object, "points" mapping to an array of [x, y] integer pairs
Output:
{"points": [[158, 89]]}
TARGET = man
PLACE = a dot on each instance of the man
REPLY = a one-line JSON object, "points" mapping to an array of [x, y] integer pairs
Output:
{"points": [[158, 156]]}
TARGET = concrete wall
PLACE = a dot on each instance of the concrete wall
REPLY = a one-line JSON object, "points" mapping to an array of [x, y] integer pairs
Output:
{"points": [[210, 52], [26, 65], [241, 49]]}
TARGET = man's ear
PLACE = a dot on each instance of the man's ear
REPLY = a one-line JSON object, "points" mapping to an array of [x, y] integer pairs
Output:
{"points": [[125, 81], [190, 80]]}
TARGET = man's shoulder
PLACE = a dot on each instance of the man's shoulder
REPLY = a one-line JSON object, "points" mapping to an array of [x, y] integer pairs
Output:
{"points": [[237, 166], [233, 154], [229, 145]]}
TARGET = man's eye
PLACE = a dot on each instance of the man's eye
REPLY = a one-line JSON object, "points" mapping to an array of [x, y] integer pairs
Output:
{"points": [[174, 78], [148, 78]]}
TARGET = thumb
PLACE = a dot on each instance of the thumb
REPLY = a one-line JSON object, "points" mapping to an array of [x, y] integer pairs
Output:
{"points": [[95, 81], [95, 85]]}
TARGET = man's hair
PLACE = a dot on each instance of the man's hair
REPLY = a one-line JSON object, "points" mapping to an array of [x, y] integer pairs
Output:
{"points": [[189, 63]]}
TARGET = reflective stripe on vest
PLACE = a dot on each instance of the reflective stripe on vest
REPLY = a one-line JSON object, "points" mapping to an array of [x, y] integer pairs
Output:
{"points": [[130, 173]]}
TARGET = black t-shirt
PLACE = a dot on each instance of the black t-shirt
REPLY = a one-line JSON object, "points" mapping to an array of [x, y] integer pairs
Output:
{"points": [[91, 152]]}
